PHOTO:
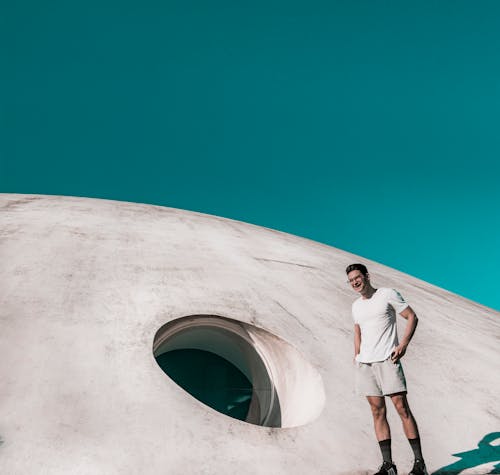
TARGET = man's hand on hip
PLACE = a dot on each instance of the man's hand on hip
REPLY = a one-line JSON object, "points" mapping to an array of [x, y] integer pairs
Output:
{"points": [[398, 353]]}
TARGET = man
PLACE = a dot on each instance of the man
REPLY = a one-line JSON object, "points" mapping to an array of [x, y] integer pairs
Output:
{"points": [[377, 354]]}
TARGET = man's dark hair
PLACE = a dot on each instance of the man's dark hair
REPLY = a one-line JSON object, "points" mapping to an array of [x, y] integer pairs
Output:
{"points": [[361, 267]]}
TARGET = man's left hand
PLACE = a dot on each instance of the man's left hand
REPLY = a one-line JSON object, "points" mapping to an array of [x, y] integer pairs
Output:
{"points": [[398, 353]]}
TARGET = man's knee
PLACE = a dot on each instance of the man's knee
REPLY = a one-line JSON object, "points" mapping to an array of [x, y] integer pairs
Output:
{"points": [[401, 405], [379, 412], [377, 405]]}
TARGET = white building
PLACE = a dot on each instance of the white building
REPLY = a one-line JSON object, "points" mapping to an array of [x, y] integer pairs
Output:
{"points": [[93, 291]]}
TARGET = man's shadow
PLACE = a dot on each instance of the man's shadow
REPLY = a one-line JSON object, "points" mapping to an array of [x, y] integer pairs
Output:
{"points": [[485, 453]]}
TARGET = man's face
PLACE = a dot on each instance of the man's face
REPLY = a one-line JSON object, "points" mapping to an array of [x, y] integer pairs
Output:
{"points": [[357, 280]]}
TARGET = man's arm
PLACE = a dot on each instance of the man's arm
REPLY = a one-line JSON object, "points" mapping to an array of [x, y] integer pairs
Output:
{"points": [[357, 340], [400, 350]]}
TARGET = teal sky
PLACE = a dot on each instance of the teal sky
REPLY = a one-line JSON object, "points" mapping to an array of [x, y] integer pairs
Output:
{"points": [[371, 126]]}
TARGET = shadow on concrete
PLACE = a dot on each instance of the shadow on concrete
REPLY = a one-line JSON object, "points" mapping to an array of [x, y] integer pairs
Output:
{"points": [[485, 453]]}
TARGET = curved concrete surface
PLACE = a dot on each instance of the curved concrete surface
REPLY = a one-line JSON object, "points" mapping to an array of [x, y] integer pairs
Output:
{"points": [[86, 284]]}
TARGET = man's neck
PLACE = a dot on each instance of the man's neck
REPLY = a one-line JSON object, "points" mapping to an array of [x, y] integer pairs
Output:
{"points": [[368, 292]]}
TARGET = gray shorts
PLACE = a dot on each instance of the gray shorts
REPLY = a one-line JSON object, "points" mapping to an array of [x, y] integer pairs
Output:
{"points": [[380, 379]]}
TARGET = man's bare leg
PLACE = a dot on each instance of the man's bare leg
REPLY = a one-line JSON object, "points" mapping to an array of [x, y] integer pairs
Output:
{"points": [[411, 430], [409, 424], [383, 433], [379, 411]]}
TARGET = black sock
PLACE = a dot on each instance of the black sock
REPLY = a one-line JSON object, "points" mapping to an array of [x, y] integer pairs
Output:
{"points": [[385, 448], [415, 446]]}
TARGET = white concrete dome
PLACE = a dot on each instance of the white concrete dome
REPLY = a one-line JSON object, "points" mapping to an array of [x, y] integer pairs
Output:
{"points": [[93, 291]]}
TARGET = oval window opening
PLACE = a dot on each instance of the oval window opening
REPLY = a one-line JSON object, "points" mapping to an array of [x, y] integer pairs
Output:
{"points": [[240, 370]]}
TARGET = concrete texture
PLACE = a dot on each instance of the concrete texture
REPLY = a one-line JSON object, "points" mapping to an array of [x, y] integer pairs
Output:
{"points": [[85, 285]]}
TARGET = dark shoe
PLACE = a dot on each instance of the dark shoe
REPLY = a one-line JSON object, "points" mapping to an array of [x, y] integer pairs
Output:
{"points": [[418, 468], [387, 468]]}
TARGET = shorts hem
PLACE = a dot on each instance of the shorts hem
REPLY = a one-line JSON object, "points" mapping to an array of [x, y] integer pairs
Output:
{"points": [[396, 392]]}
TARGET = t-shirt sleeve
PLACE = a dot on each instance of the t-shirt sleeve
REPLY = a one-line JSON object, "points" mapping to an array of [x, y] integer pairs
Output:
{"points": [[397, 301]]}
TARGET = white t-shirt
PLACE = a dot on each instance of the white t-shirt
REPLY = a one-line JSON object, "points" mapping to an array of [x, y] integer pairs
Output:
{"points": [[376, 318]]}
